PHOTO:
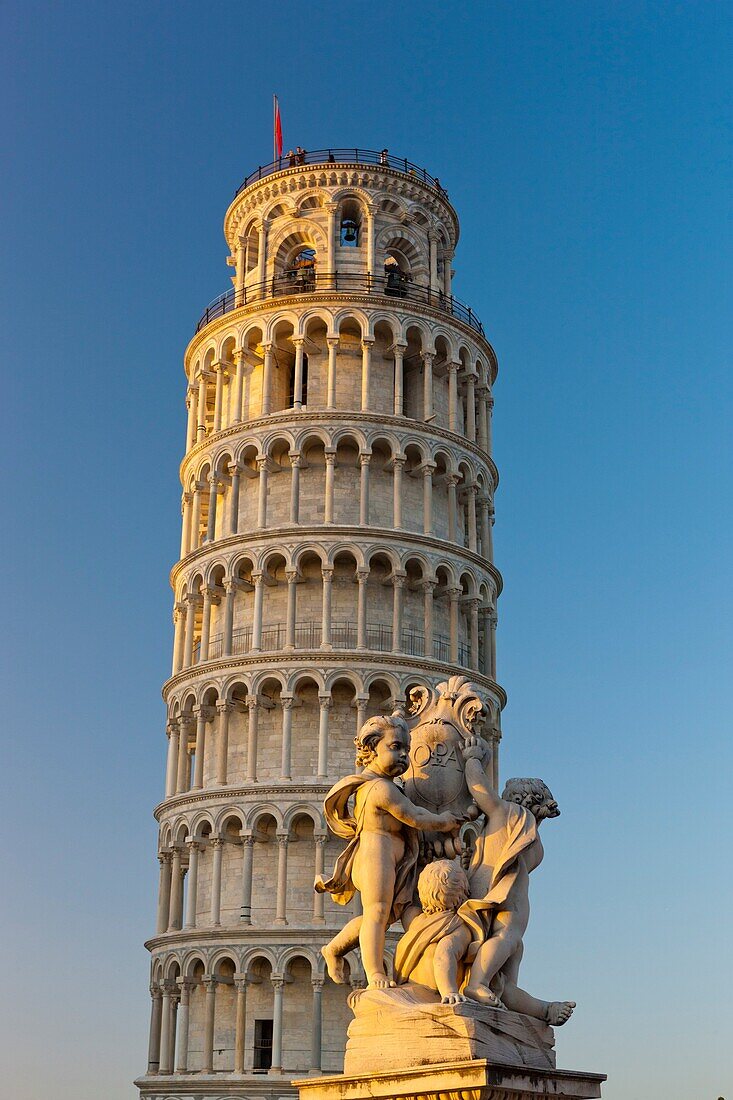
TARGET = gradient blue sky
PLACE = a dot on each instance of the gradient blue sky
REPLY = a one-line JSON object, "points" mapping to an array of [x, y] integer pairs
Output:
{"points": [[587, 149]]}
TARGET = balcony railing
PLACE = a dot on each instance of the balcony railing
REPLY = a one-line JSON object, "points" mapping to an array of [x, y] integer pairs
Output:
{"points": [[343, 636], [309, 281], [343, 156]]}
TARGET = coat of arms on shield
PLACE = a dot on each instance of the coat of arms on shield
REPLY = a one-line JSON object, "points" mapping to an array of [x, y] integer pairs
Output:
{"points": [[440, 719]]}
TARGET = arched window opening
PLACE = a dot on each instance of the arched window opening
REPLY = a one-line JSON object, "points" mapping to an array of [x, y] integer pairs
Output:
{"points": [[350, 229], [396, 277]]}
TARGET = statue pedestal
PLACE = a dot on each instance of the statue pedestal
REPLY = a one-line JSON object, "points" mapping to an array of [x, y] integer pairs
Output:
{"points": [[477, 1079], [408, 1027]]}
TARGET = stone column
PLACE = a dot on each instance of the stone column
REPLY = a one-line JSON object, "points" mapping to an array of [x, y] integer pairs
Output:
{"points": [[193, 600], [213, 505], [454, 595], [399, 378], [191, 403], [261, 253], [318, 899], [371, 240], [240, 1024], [298, 343], [166, 1052], [230, 589], [164, 892], [451, 481], [433, 242], [333, 343], [485, 527], [362, 702], [282, 879], [202, 714], [263, 465], [209, 1023], [428, 469], [253, 708], [470, 492], [398, 465], [235, 472], [156, 1006], [330, 456], [362, 579], [223, 709], [201, 407], [473, 628], [453, 396], [172, 761], [447, 273], [195, 534], [489, 407], [331, 209], [295, 466], [193, 882], [175, 917], [258, 580], [186, 501], [398, 584], [182, 778], [208, 596], [325, 704], [217, 847], [327, 575], [428, 587], [483, 428], [484, 613], [245, 913], [220, 370], [184, 985], [277, 1025], [316, 1027], [427, 359], [267, 378], [239, 355], [179, 636], [291, 575], [366, 366], [471, 407], [286, 702], [493, 620], [364, 460]]}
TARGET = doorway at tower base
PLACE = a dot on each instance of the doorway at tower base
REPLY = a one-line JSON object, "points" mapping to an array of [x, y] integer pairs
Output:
{"points": [[474, 1079]]}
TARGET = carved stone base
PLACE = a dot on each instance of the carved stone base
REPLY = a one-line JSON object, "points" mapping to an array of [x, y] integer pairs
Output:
{"points": [[474, 1080], [396, 1029]]}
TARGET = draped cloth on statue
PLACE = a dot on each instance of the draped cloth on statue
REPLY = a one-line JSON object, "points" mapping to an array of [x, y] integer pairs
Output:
{"points": [[425, 930], [341, 822], [521, 833]]}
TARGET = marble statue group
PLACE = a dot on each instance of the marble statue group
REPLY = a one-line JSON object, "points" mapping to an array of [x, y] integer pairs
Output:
{"points": [[463, 912]]}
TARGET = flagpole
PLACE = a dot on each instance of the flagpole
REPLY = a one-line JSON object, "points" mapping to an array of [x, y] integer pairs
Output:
{"points": [[274, 127]]}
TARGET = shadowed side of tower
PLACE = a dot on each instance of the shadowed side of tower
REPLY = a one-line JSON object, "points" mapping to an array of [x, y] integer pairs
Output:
{"points": [[336, 551]]}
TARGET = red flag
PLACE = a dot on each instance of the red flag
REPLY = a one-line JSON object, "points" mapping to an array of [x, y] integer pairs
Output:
{"points": [[278, 134]]}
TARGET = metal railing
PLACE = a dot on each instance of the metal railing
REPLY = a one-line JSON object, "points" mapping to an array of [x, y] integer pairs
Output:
{"points": [[343, 156], [343, 636], [309, 281]]}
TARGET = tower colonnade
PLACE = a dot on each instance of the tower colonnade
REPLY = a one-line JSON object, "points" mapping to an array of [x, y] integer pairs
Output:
{"points": [[336, 551]]}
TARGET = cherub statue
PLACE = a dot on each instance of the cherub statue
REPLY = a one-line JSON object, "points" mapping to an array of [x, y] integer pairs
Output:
{"points": [[439, 944], [380, 860], [507, 849]]}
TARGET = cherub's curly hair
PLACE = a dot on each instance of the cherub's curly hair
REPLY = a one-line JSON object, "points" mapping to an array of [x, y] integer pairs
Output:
{"points": [[442, 886], [372, 732], [530, 793]]}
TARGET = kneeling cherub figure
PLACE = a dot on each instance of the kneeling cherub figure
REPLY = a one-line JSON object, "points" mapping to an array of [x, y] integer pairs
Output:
{"points": [[381, 859]]}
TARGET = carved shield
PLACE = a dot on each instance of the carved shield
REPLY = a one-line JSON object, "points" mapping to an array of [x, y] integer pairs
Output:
{"points": [[440, 721]]}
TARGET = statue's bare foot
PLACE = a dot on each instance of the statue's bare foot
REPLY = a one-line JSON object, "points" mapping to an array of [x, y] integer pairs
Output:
{"points": [[380, 981], [559, 1012], [452, 999], [484, 996], [336, 965]]}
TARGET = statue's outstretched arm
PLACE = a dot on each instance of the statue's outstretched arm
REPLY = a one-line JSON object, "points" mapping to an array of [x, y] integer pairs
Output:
{"points": [[475, 753]]}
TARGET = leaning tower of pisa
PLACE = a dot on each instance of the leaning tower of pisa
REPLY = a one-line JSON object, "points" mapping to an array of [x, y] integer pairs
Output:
{"points": [[336, 550]]}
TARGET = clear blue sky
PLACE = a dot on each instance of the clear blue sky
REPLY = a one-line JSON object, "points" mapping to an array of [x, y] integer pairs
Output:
{"points": [[587, 149]]}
